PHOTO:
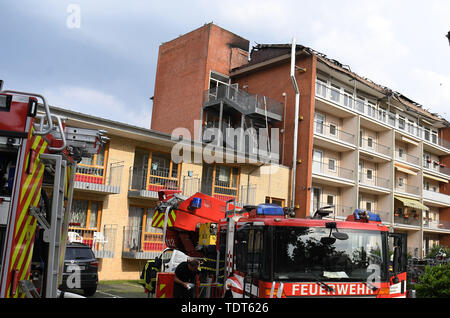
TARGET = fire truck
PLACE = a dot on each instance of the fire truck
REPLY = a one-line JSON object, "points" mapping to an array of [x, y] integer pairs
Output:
{"points": [[265, 252], [38, 158]]}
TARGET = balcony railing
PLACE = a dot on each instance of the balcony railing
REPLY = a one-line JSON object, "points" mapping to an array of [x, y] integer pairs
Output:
{"points": [[406, 188], [94, 179], [372, 180], [348, 101], [435, 224], [411, 219], [369, 144], [146, 183], [225, 191], [248, 103], [436, 196], [142, 244], [436, 167], [407, 157], [331, 131], [191, 185], [102, 243], [321, 168]]}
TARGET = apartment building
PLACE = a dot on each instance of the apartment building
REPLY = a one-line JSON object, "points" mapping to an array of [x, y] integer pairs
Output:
{"points": [[116, 191], [361, 145]]}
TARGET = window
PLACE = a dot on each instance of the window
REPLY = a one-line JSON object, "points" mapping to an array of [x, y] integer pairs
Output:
{"points": [[401, 181], [427, 133], [369, 174], [370, 142], [348, 99], [411, 126], [360, 104], [369, 206], [335, 93], [371, 109], [332, 164], [434, 137], [140, 236], [400, 152], [321, 88], [220, 181], [92, 169], [85, 214], [154, 171], [401, 122], [330, 199], [333, 129], [319, 121]]}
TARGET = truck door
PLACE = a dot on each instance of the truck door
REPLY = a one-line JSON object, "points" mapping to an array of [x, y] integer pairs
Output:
{"points": [[398, 277]]}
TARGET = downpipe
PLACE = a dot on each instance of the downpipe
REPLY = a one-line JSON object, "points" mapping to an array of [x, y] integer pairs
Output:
{"points": [[297, 101]]}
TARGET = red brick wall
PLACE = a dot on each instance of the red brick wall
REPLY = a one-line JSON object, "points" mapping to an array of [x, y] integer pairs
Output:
{"points": [[182, 74], [273, 82], [444, 213]]}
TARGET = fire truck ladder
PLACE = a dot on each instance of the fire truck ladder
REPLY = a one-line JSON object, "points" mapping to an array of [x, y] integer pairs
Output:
{"points": [[53, 233]]}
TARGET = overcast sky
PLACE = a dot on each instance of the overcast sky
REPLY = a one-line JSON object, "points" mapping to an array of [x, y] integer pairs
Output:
{"points": [[106, 66]]}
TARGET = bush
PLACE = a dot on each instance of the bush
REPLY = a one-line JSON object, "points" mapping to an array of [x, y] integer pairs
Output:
{"points": [[435, 250], [435, 283]]}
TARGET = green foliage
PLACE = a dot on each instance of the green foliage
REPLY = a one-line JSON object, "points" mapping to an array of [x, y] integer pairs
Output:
{"points": [[435, 283], [435, 250]]}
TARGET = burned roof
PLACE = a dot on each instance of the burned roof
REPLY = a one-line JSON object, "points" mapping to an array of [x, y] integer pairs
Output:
{"points": [[266, 52]]}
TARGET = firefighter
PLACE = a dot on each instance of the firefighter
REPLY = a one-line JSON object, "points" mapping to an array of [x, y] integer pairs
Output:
{"points": [[184, 280], [148, 275]]}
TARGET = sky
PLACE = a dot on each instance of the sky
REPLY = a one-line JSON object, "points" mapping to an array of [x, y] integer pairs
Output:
{"points": [[99, 57]]}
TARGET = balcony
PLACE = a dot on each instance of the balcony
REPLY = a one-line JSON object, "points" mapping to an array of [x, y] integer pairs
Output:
{"points": [[145, 183], [441, 199], [332, 174], [410, 159], [435, 225], [247, 195], [375, 184], [407, 189], [436, 168], [349, 102], [95, 179], [411, 219], [373, 147], [339, 211], [102, 243], [333, 138], [244, 102], [142, 244]]}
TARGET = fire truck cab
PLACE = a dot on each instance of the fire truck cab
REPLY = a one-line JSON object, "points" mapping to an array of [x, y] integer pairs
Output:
{"points": [[269, 255], [262, 252]]}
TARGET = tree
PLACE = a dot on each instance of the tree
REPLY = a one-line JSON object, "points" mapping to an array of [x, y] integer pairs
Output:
{"points": [[435, 283]]}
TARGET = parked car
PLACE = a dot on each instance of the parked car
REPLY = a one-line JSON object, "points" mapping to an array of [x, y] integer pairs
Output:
{"points": [[80, 269]]}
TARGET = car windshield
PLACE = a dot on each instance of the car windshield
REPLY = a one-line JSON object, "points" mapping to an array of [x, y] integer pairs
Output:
{"points": [[77, 253], [301, 253]]}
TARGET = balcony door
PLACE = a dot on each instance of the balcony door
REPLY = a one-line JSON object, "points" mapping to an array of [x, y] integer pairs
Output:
{"points": [[316, 195], [317, 161], [140, 167]]}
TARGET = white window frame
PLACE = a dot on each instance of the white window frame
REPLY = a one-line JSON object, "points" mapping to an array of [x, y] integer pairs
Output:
{"points": [[334, 164]]}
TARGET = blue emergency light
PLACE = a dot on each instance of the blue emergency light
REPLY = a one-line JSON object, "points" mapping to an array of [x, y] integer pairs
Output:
{"points": [[358, 213], [196, 203], [269, 209]]}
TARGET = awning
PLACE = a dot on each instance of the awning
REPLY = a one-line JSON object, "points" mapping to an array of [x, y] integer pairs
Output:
{"points": [[406, 170], [412, 203], [410, 141], [435, 178]]}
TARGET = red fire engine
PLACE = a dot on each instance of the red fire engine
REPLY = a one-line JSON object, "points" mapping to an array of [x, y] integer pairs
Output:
{"points": [[267, 254], [38, 157]]}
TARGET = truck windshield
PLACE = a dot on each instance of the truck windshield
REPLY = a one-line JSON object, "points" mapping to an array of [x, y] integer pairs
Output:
{"points": [[300, 253]]}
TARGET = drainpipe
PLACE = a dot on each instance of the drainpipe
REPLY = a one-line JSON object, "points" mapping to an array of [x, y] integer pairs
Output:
{"points": [[297, 101]]}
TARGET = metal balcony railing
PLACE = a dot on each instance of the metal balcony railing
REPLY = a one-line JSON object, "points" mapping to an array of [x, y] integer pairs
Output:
{"points": [[142, 244], [331, 131], [102, 242], [407, 157], [247, 195], [349, 101], [369, 144], [321, 168], [96, 179], [430, 165], [372, 180], [340, 211], [224, 190], [436, 224], [406, 188], [147, 182], [248, 103]]}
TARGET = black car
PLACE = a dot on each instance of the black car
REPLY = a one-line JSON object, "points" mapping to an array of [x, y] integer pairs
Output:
{"points": [[80, 269]]}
